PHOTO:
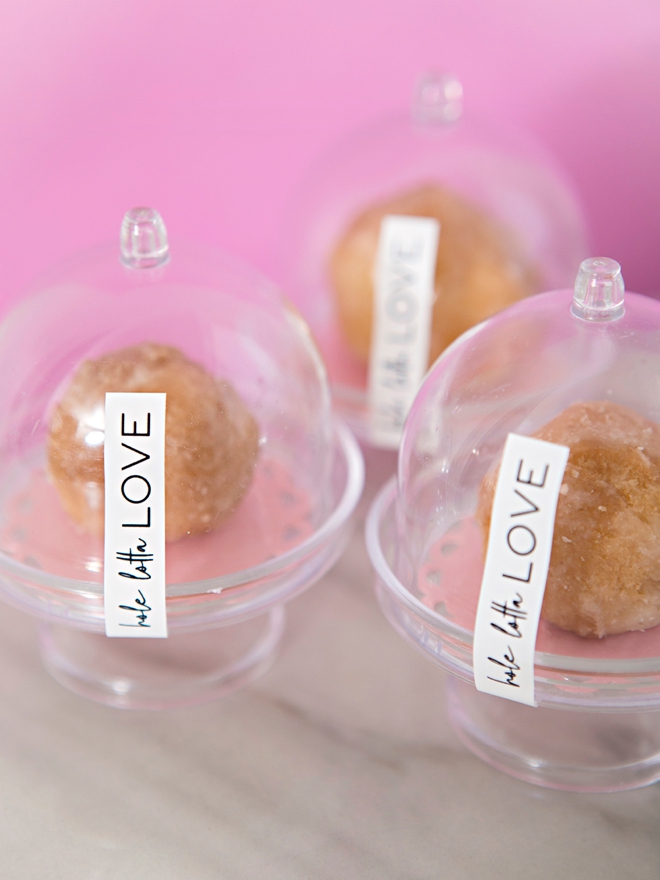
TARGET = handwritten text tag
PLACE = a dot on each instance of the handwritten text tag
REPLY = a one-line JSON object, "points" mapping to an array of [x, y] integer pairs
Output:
{"points": [[403, 308], [134, 462], [516, 568]]}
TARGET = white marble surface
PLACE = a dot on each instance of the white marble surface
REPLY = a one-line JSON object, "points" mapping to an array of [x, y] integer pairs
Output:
{"points": [[339, 763]]}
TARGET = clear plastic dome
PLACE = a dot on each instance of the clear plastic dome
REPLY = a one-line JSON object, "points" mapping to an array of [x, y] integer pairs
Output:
{"points": [[580, 368], [575, 356], [509, 226], [259, 481]]}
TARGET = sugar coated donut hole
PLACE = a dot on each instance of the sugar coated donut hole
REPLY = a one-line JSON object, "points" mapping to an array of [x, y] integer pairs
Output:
{"points": [[604, 574], [211, 439], [476, 272]]}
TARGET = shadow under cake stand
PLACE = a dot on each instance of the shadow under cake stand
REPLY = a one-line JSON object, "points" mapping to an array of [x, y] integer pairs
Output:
{"points": [[597, 723]]}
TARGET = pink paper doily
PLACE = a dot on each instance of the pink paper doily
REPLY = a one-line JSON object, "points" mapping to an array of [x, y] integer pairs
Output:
{"points": [[450, 581], [274, 517]]}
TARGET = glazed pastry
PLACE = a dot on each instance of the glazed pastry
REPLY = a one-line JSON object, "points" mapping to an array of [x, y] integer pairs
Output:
{"points": [[476, 273], [211, 439], [604, 574]]}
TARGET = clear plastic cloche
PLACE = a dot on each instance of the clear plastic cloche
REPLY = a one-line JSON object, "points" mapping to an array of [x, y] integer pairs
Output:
{"points": [[580, 368], [259, 480], [509, 226]]}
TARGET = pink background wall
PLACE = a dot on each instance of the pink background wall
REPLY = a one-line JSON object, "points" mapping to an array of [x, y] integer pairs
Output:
{"points": [[212, 110]]}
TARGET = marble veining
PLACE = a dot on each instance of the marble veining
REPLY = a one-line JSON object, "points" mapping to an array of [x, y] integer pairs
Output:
{"points": [[339, 763]]}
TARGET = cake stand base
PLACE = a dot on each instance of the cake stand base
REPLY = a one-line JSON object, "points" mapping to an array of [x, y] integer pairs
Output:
{"points": [[182, 670], [557, 748]]}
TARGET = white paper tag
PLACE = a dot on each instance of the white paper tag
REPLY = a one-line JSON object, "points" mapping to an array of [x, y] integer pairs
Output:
{"points": [[403, 306], [516, 569], [134, 464]]}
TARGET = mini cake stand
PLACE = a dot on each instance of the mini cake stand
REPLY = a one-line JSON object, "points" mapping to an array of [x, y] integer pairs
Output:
{"points": [[597, 724], [224, 629]]}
